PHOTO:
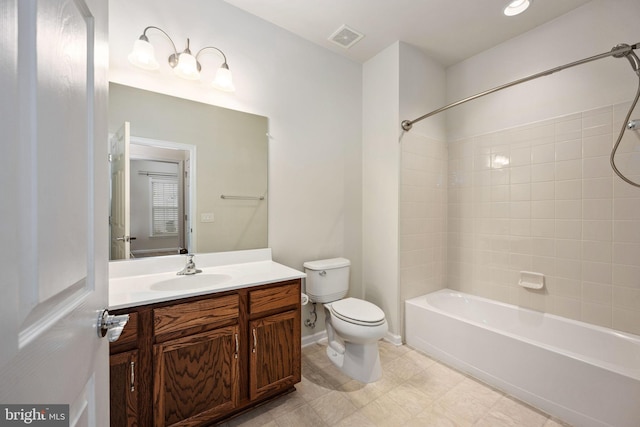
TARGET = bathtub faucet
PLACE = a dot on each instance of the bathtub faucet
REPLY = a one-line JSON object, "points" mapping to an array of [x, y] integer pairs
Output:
{"points": [[190, 268]]}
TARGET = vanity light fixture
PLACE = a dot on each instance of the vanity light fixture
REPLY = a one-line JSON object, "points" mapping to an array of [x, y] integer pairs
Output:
{"points": [[184, 64], [516, 7]]}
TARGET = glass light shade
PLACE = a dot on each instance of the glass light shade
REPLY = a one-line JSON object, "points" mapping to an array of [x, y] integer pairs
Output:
{"points": [[223, 79], [143, 55], [187, 67], [516, 7]]}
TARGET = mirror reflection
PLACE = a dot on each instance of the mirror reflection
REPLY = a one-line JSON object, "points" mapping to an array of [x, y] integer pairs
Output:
{"points": [[185, 176]]}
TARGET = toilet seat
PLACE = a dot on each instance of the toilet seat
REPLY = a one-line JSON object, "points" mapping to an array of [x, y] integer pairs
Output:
{"points": [[358, 312]]}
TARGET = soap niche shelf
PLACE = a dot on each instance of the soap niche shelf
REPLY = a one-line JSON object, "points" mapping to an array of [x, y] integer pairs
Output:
{"points": [[531, 280]]}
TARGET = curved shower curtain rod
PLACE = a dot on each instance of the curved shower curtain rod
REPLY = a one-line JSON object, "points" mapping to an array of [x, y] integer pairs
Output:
{"points": [[619, 51]]}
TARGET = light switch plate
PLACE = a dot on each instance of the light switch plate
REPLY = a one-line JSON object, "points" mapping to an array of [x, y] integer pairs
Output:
{"points": [[206, 217]]}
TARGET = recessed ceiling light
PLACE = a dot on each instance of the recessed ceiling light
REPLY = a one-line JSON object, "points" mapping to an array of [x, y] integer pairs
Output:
{"points": [[516, 7]]}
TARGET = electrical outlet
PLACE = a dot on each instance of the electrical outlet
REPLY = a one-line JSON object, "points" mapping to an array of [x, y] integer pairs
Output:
{"points": [[206, 217]]}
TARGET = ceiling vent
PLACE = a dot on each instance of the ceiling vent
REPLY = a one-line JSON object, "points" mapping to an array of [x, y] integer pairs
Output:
{"points": [[345, 37]]}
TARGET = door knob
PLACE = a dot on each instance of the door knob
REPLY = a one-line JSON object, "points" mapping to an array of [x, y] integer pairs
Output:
{"points": [[111, 325]]}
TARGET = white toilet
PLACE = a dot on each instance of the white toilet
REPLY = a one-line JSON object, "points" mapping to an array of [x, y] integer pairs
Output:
{"points": [[354, 326]]}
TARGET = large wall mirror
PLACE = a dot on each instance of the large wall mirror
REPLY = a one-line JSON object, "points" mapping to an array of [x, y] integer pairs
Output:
{"points": [[196, 176]]}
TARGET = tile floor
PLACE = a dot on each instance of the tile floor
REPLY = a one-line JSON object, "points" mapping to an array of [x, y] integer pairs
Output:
{"points": [[415, 391]]}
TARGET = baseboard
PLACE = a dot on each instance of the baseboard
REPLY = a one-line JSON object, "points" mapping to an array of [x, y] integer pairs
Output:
{"points": [[393, 339], [308, 340]]}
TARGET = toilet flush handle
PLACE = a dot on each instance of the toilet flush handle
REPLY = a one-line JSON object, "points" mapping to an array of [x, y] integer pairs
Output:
{"points": [[323, 273]]}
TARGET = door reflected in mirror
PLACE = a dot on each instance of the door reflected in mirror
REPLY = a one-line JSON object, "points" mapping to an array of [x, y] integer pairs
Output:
{"points": [[183, 157]]}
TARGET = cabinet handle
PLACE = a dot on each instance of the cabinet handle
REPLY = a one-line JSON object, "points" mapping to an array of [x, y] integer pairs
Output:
{"points": [[255, 340], [133, 376], [237, 347]]}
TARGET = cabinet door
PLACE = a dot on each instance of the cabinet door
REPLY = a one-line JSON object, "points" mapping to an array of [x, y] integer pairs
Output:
{"points": [[275, 353], [123, 388], [196, 377]]}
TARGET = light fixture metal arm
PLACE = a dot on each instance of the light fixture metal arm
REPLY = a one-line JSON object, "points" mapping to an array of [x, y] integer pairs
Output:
{"points": [[185, 65], [224, 57], [145, 38]]}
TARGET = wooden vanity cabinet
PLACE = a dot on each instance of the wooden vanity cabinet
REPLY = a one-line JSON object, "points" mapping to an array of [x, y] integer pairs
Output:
{"points": [[275, 339], [124, 394], [195, 376], [123, 374], [201, 360]]}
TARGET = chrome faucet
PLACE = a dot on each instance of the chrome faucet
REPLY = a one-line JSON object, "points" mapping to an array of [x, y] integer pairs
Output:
{"points": [[190, 268]]}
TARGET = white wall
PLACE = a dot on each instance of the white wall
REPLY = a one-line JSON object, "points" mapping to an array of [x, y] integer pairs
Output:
{"points": [[403, 181], [530, 187], [311, 96], [381, 181]]}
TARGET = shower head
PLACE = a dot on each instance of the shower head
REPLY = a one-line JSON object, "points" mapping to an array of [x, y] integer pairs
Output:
{"points": [[634, 61], [627, 52], [633, 124]]}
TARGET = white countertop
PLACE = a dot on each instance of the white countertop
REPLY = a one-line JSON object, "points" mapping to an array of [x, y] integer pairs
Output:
{"points": [[148, 281]]}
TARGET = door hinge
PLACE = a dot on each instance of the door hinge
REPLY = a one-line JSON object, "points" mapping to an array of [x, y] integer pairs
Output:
{"points": [[110, 157]]}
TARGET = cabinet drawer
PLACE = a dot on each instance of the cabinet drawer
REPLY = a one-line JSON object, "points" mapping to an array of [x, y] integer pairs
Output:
{"points": [[264, 300], [203, 314]]}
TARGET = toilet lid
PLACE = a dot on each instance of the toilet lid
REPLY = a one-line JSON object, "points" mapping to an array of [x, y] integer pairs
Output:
{"points": [[358, 311]]}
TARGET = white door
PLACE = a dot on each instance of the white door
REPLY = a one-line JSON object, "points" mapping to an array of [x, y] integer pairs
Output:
{"points": [[54, 207], [120, 193], [189, 208]]}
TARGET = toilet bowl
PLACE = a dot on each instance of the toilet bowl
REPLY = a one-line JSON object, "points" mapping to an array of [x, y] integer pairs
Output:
{"points": [[353, 326], [353, 340]]}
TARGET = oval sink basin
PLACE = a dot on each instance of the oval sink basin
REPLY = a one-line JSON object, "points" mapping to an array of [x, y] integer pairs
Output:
{"points": [[195, 281]]}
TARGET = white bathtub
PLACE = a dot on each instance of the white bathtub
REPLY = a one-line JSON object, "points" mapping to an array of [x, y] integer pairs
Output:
{"points": [[583, 374]]}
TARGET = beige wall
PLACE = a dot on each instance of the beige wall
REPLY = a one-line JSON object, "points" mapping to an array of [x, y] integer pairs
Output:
{"points": [[423, 172], [423, 216], [555, 208]]}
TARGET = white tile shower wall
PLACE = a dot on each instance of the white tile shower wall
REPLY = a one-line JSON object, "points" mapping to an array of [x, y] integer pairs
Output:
{"points": [[542, 197], [423, 215]]}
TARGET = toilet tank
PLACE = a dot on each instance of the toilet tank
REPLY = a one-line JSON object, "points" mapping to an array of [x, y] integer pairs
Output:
{"points": [[327, 279]]}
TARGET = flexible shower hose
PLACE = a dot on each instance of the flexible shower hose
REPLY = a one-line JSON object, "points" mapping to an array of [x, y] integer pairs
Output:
{"points": [[624, 127]]}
